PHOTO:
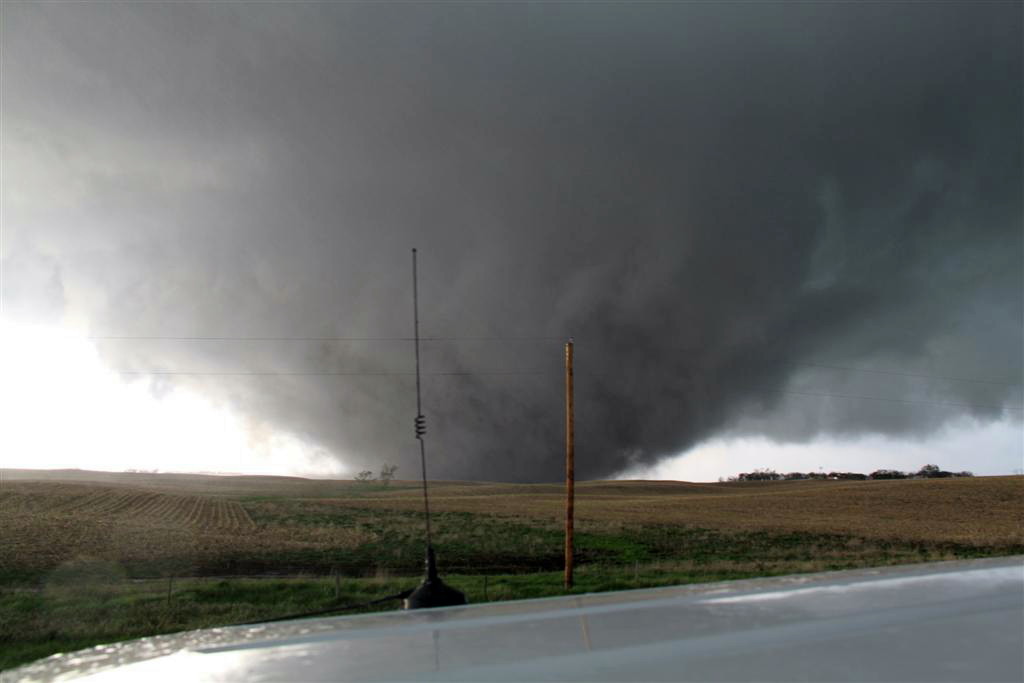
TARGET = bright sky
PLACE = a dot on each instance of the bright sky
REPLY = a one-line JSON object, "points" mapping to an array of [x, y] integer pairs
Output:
{"points": [[62, 408], [984, 449]]}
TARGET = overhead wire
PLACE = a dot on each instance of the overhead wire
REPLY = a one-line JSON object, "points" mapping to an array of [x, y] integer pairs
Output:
{"points": [[485, 373], [482, 338], [794, 392], [303, 339], [214, 373], [911, 374], [898, 400]]}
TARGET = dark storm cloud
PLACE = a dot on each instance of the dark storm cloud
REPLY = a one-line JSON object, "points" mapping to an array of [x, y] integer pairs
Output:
{"points": [[715, 201]]}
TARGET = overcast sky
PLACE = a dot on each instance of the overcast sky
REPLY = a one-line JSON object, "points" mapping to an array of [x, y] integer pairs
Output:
{"points": [[766, 226]]}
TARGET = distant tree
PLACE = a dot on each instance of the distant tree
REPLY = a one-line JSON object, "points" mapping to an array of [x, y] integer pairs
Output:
{"points": [[933, 472], [888, 474], [760, 475], [364, 476], [764, 474], [848, 476], [387, 473]]}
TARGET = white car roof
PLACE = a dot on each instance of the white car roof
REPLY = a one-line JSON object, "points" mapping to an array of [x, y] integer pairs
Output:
{"points": [[952, 621]]}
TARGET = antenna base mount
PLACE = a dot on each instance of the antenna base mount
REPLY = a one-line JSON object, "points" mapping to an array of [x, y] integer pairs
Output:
{"points": [[433, 592]]}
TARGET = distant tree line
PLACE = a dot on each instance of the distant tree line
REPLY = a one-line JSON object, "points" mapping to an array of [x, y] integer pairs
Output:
{"points": [[926, 472], [387, 473]]}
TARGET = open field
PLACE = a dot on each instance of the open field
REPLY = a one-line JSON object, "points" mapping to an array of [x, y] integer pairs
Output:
{"points": [[94, 557], [982, 511]]}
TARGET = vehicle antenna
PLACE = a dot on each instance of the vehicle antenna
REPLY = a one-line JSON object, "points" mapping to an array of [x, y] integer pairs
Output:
{"points": [[432, 592], [421, 424]]}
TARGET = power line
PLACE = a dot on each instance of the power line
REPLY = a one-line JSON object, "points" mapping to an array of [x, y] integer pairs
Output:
{"points": [[203, 373], [305, 339], [523, 338], [540, 372], [899, 400], [911, 374]]}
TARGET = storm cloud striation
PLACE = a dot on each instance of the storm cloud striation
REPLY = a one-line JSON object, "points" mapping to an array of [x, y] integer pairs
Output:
{"points": [[733, 209]]}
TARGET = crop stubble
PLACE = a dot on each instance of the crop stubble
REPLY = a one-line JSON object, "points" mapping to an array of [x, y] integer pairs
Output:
{"points": [[202, 526]]}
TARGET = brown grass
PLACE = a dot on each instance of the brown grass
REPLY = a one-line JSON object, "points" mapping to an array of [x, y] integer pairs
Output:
{"points": [[185, 524], [155, 534], [120, 504], [979, 511]]}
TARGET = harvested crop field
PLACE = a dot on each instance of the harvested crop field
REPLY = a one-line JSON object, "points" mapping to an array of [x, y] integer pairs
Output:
{"points": [[124, 504], [92, 557], [982, 511], [156, 525]]}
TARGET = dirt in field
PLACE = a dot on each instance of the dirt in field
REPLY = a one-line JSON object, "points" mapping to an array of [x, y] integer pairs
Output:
{"points": [[158, 525], [979, 511], [121, 504]]}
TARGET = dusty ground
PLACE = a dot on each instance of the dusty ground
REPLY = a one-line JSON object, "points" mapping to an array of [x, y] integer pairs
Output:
{"points": [[154, 524]]}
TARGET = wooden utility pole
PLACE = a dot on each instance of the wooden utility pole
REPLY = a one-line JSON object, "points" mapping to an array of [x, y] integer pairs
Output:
{"points": [[570, 466]]}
